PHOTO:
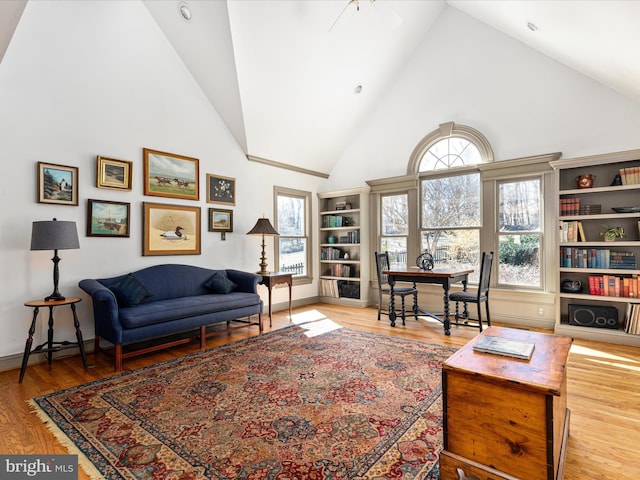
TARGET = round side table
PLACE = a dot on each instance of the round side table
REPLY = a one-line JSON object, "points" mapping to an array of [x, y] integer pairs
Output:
{"points": [[50, 346]]}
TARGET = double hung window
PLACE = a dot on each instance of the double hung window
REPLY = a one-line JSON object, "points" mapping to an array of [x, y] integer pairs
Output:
{"points": [[293, 224]]}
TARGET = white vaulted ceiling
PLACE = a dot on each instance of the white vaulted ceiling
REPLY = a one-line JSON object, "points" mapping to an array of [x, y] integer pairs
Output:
{"points": [[283, 74]]}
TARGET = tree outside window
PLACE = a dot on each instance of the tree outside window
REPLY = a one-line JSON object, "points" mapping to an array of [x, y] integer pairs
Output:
{"points": [[395, 227], [519, 232]]}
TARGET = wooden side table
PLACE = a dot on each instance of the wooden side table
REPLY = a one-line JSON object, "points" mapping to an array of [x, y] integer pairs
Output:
{"points": [[50, 346], [505, 418], [272, 279]]}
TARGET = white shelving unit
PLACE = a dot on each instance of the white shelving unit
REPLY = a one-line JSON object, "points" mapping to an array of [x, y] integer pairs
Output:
{"points": [[597, 205], [344, 247]]}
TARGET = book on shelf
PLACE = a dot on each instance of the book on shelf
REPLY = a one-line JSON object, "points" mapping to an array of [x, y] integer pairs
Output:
{"points": [[329, 288], [630, 175], [632, 319], [508, 347], [613, 286], [572, 231]]}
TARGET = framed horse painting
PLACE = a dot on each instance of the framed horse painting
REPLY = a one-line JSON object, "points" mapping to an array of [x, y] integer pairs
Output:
{"points": [[170, 175]]}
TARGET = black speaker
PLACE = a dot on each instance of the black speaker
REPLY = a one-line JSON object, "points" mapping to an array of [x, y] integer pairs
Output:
{"points": [[593, 316]]}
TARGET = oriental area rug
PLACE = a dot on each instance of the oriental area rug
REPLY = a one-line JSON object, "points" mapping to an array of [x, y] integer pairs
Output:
{"points": [[285, 405]]}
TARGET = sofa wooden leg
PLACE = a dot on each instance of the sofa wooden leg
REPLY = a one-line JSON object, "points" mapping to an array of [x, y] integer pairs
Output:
{"points": [[260, 322], [118, 352], [203, 337], [96, 344]]}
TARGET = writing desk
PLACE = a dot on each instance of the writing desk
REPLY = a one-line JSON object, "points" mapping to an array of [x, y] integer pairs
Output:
{"points": [[439, 276]]}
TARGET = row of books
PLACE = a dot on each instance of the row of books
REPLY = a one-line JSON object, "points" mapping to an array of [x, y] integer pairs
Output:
{"points": [[572, 206], [329, 288], [613, 286], [331, 253], [630, 175], [632, 319], [333, 221], [572, 231], [341, 270], [573, 257]]}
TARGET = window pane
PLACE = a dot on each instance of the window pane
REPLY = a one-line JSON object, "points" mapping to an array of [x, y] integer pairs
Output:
{"points": [[450, 152], [395, 217], [293, 255], [291, 219], [397, 248], [451, 201], [519, 260], [519, 206], [454, 248]]}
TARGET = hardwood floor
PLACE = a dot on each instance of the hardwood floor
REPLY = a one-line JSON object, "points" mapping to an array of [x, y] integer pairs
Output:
{"points": [[603, 390]]}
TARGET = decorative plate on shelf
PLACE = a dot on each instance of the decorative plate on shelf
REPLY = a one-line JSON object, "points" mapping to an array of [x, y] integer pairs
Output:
{"points": [[626, 209]]}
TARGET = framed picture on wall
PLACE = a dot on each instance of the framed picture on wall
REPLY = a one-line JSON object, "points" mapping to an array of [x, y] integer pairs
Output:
{"points": [[112, 173], [57, 184], [221, 189], [171, 175], [170, 229], [107, 219], [220, 220]]}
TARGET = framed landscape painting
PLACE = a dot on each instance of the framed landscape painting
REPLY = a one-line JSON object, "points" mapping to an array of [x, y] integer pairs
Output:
{"points": [[112, 173], [220, 220], [57, 184], [107, 219], [221, 189], [170, 229], [170, 175]]}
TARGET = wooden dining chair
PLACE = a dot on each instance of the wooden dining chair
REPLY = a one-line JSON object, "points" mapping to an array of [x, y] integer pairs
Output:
{"points": [[382, 264], [478, 297]]}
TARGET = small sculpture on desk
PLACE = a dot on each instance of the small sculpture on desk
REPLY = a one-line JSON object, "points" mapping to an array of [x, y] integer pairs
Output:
{"points": [[425, 261]]}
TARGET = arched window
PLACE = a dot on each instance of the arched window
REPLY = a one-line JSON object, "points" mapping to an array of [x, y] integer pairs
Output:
{"points": [[450, 146], [451, 193]]}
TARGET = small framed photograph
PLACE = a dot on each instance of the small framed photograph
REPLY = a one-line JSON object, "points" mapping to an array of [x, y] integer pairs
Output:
{"points": [[220, 220], [171, 175], [107, 219], [221, 189], [170, 229], [112, 173], [57, 184]]}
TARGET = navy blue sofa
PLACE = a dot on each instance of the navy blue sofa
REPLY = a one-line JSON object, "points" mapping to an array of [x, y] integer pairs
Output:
{"points": [[168, 299]]}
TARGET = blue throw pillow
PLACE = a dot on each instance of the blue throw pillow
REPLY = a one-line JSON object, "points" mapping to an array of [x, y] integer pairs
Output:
{"points": [[219, 283], [130, 291]]}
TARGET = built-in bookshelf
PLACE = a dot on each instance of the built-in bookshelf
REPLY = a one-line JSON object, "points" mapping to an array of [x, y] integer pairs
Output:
{"points": [[344, 250], [607, 306]]}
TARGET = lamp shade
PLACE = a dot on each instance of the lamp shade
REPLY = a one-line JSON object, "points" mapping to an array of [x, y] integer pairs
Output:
{"points": [[54, 235], [263, 227]]}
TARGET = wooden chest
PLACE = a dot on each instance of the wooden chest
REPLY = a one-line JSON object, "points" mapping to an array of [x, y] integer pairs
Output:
{"points": [[506, 418]]}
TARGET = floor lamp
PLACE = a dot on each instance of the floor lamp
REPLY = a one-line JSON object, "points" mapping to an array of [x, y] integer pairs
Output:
{"points": [[263, 227]]}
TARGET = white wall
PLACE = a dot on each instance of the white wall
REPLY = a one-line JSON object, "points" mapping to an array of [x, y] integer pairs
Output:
{"points": [[82, 79], [524, 102]]}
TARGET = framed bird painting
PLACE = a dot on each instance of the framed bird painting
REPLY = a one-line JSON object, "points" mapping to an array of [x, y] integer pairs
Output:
{"points": [[170, 229]]}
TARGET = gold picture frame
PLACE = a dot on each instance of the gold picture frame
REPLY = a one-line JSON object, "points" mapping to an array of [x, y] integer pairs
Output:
{"points": [[114, 174], [170, 229], [57, 184], [170, 175]]}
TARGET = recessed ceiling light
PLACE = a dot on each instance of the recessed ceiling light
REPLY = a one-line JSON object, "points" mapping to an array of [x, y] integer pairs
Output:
{"points": [[184, 11], [358, 89], [532, 26]]}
